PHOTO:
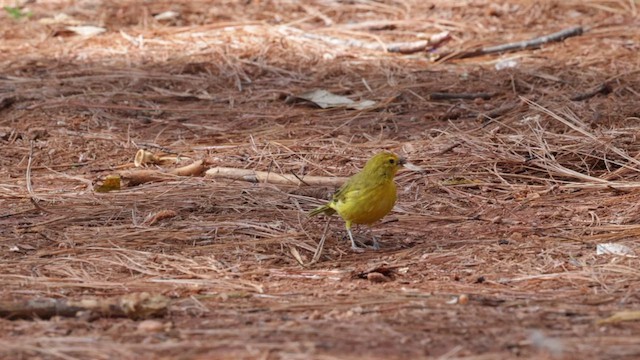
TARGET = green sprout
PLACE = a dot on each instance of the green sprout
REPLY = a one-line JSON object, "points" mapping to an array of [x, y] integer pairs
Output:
{"points": [[16, 13]]}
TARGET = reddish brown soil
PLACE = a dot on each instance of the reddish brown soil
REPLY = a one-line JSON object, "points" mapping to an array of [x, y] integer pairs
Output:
{"points": [[490, 252]]}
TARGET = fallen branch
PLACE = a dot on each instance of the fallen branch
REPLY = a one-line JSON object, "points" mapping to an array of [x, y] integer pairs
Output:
{"points": [[134, 306], [272, 178], [604, 89], [517, 46]]}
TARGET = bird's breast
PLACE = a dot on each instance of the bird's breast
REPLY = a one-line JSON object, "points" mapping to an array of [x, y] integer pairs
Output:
{"points": [[368, 205]]}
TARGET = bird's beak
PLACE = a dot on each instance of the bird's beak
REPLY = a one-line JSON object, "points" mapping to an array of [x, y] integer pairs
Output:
{"points": [[402, 161]]}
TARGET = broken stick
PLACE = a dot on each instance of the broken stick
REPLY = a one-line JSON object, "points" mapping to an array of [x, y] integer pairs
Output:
{"points": [[272, 178], [604, 89], [499, 111], [412, 47], [134, 306], [434, 41], [517, 46]]}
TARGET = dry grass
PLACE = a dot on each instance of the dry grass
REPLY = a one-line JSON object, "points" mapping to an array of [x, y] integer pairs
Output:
{"points": [[517, 192]]}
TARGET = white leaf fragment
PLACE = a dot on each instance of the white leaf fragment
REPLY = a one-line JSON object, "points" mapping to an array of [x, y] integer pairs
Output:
{"points": [[86, 30], [325, 100], [614, 249]]}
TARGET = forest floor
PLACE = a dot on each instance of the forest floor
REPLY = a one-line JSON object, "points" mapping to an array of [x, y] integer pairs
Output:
{"points": [[529, 160]]}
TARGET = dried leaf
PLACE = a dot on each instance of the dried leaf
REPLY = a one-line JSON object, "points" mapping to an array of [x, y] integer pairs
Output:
{"points": [[110, 183], [326, 100], [296, 255], [159, 216], [167, 15], [412, 167]]}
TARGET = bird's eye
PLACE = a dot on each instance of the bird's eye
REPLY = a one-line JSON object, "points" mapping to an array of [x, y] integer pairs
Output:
{"points": [[391, 161]]}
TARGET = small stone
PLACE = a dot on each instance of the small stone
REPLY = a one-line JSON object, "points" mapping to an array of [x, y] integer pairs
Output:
{"points": [[38, 133], [463, 299], [377, 277], [151, 326]]}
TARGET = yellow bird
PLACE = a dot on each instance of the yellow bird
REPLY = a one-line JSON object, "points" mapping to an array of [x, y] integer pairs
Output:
{"points": [[367, 196]]}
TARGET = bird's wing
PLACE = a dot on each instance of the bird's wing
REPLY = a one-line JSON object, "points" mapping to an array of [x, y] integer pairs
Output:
{"points": [[348, 189]]}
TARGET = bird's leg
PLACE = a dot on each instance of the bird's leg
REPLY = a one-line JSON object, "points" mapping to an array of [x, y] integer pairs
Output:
{"points": [[376, 244], [354, 247]]}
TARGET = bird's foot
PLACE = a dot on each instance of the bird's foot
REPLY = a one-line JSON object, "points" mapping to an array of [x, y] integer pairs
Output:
{"points": [[364, 246], [375, 245], [355, 243]]}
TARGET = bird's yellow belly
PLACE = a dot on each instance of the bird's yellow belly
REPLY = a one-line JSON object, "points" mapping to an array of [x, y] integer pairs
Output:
{"points": [[369, 206]]}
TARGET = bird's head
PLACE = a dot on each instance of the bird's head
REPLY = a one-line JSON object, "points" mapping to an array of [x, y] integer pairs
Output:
{"points": [[384, 164]]}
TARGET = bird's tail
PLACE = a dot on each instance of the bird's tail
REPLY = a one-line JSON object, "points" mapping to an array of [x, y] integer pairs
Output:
{"points": [[322, 209]]}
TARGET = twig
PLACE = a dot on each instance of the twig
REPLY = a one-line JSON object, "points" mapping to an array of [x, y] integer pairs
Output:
{"points": [[137, 177], [518, 46], [410, 47], [28, 173], [32, 195], [407, 47], [499, 111], [272, 178], [318, 253], [299, 178], [604, 88], [467, 96], [435, 41], [449, 148]]}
